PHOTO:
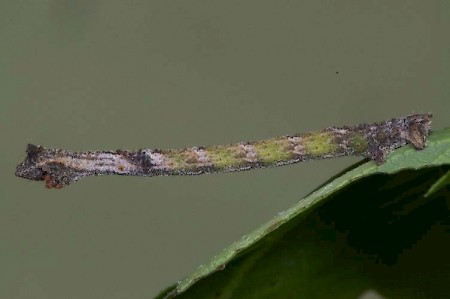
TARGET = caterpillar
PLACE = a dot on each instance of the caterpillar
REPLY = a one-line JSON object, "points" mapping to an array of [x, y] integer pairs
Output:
{"points": [[59, 168]]}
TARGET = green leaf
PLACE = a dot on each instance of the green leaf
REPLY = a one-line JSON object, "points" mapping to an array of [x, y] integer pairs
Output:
{"points": [[440, 183], [371, 228]]}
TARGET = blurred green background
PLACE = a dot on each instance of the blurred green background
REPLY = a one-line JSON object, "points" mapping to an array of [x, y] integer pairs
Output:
{"points": [[86, 75]]}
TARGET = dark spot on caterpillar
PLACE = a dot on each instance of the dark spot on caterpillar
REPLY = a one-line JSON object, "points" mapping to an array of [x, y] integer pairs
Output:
{"points": [[139, 158], [33, 152], [142, 159]]}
